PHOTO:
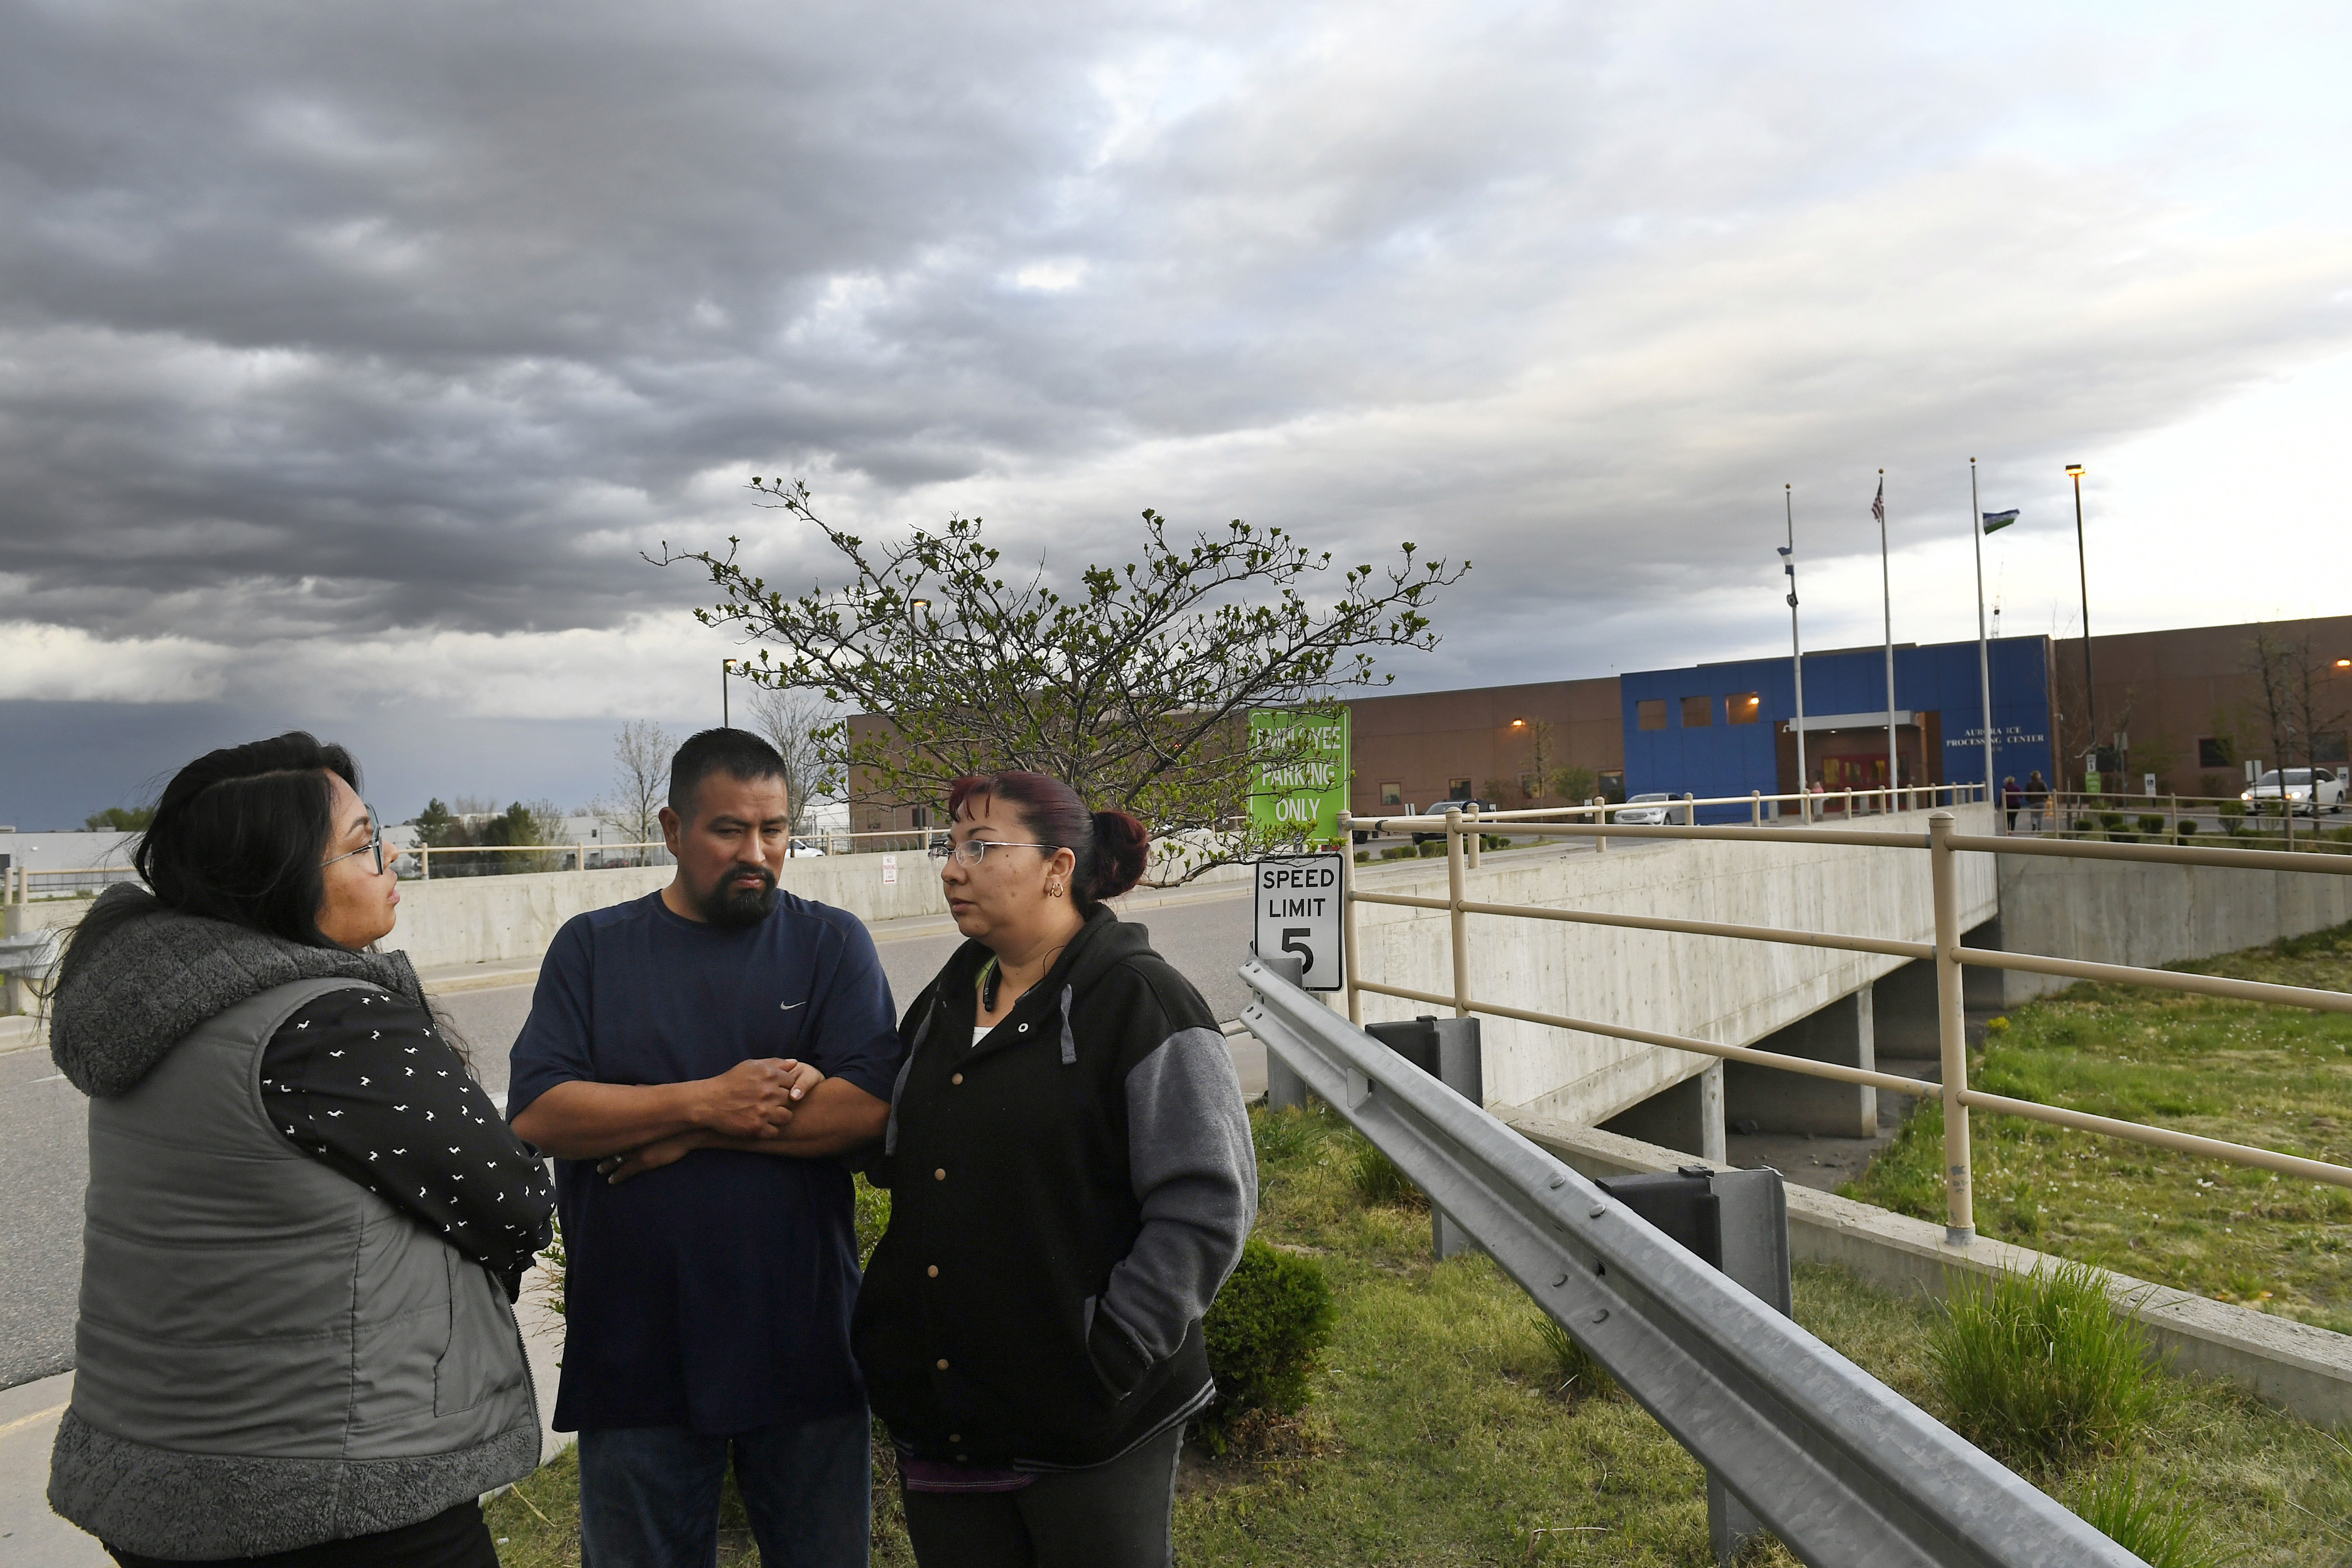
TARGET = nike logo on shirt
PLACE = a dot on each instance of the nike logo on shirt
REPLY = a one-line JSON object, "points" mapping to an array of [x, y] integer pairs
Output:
{"points": [[786, 1006]]}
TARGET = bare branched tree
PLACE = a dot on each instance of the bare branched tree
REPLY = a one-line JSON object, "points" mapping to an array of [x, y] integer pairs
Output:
{"points": [[1135, 689], [795, 721], [641, 753]]}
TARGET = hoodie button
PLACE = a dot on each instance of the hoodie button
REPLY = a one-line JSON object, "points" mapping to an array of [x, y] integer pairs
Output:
{"points": [[955, 1436], [934, 1272], [940, 1174], [943, 1363], [1021, 1030], [956, 1077]]}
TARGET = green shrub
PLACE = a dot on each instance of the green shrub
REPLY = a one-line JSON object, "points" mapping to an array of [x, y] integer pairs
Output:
{"points": [[2187, 830], [1493, 841], [1381, 1182], [1363, 857], [1264, 1331], [1580, 1376], [2161, 1530], [873, 1216], [1399, 852], [2040, 1369], [2113, 821], [2151, 824], [2230, 810], [1435, 847]]}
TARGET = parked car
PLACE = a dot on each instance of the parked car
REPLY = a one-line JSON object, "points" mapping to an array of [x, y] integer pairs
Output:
{"points": [[2309, 791], [1651, 808], [1443, 806]]}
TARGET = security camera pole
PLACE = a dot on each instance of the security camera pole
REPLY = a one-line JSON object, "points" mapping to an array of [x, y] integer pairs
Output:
{"points": [[1796, 649]]}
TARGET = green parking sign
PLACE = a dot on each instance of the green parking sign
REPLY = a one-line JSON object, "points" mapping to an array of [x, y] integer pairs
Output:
{"points": [[1300, 783]]}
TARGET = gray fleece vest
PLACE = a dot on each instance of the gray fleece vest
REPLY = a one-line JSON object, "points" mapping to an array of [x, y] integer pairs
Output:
{"points": [[269, 1354]]}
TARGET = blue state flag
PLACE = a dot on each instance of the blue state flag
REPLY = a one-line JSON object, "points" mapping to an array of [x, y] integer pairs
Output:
{"points": [[1994, 521]]}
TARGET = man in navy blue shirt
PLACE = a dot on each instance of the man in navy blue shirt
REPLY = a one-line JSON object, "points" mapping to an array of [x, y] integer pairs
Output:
{"points": [[694, 1061]]}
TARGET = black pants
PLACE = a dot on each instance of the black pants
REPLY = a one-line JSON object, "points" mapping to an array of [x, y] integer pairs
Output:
{"points": [[1111, 1516], [455, 1538]]}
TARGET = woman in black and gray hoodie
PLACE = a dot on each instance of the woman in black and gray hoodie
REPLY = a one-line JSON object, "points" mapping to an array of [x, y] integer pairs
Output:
{"points": [[1072, 1179], [307, 1222]]}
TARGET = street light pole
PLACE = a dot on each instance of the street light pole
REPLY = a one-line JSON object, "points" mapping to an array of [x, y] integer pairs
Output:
{"points": [[1796, 648], [725, 720], [2083, 566]]}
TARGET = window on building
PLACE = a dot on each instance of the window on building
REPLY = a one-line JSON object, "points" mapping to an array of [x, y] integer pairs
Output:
{"points": [[2329, 750], [919, 816], [2216, 752], [1613, 783], [1458, 789], [1698, 713], [1651, 712], [1391, 795], [1742, 707]]}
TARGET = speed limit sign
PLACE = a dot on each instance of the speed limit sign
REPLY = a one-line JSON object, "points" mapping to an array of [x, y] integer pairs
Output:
{"points": [[1299, 913]]}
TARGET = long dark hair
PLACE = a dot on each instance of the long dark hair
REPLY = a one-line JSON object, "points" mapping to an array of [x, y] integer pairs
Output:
{"points": [[1111, 848], [238, 836]]}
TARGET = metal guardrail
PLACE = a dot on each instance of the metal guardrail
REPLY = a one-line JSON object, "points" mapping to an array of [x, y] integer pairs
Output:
{"points": [[1840, 1467], [1945, 952]]}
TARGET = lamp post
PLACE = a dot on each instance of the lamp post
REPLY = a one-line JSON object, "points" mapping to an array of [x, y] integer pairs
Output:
{"points": [[2083, 566], [1796, 648], [725, 720]]}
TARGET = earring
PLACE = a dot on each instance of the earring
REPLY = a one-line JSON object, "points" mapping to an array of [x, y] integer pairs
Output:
{"points": [[1054, 889]]}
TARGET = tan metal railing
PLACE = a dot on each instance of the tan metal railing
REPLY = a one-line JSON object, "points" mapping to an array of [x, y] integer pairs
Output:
{"points": [[1942, 842], [17, 885]]}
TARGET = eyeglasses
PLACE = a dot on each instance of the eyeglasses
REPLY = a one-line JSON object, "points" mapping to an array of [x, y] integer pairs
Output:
{"points": [[973, 851], [376, 842]]}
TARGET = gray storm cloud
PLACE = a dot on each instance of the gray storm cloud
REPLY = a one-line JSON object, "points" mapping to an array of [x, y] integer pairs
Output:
{"points": [[322, 321]]}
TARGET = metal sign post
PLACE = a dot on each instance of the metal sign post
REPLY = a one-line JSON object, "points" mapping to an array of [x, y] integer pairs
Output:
{"points": [[1298, 911]]}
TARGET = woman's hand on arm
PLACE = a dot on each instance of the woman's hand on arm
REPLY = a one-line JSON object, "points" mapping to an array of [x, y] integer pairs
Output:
{"points": [[584, 1120]]}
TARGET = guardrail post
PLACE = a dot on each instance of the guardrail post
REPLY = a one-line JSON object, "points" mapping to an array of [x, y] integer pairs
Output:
{"points": [[1756, 808], [1457, 915], [1470, 850], [1347, 918], [1600, 820], [1951, 1021]]}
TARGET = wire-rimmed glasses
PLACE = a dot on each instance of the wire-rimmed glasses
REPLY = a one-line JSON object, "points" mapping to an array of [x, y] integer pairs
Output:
{"points": [[973, 851], [376, 842]]}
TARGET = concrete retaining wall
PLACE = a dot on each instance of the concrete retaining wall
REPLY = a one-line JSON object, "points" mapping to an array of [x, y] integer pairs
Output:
{"points": [[492, 920], [2305, 1370], [2113, 911], [1735, 993]]}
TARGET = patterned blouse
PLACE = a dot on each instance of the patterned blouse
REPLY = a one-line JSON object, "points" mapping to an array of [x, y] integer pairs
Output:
{"points": [[364, 1082]]}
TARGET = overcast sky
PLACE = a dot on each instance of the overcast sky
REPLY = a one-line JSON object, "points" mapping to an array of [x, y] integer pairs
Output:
{"points": [[349, 356]]}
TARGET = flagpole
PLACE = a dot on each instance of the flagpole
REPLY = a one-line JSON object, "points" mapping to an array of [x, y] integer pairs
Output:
{"points": [[1984, 656], [1796, 650], [1886, 598]]}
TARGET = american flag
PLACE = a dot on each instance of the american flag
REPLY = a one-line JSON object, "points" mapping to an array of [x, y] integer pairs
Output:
{"points": [[1878, 502]]}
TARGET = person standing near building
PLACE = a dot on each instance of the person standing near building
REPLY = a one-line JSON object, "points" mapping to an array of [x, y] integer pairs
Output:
{"points": [[695, 1059], [2037, 801], [2012, 798]]}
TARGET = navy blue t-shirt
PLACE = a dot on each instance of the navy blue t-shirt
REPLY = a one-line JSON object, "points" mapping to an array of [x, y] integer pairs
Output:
{"points": [[713, 1293]]}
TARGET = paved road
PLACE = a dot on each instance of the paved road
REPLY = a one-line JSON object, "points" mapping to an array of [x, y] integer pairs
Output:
{"points": [[43, 1164]]}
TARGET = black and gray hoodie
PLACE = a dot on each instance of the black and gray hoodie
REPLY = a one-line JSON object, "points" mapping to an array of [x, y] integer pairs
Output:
{"points": [[1067, 1195]]}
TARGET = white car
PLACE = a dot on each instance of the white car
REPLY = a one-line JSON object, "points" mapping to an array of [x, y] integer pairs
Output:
{"points": [[1654, 809], [2309, 791]]}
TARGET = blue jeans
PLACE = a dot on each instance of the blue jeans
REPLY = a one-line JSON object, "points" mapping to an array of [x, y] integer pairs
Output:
{"points": [[649, 1495]]}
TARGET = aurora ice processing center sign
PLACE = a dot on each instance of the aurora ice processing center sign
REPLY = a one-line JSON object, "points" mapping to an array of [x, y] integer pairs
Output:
{"points": [[1303, 772]]}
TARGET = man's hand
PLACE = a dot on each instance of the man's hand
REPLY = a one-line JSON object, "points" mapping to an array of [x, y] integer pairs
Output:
{"points": [[751, 1101], [799, 1078], [754, 1098]]}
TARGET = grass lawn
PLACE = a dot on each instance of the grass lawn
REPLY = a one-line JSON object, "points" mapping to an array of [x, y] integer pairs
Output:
{"points": [[1438, 1432], [2278, 1077]]}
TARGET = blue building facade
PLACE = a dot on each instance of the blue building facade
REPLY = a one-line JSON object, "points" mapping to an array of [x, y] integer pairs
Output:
{"points": [[1727, 729]]}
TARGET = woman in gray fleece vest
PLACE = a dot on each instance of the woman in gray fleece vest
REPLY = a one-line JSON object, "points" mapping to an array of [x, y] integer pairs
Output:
{"points": [[307, 1222]]}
